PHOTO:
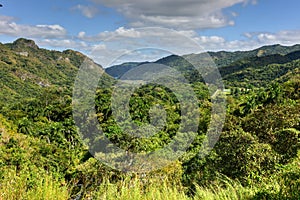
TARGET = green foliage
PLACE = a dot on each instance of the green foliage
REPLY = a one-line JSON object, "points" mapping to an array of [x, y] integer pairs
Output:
{"points": [[258, 75], [43, 157], [31, 184]]}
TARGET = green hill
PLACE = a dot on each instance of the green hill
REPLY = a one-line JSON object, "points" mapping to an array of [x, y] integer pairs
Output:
{"points": [[42, 156], [221, 59], [259, 71], [224, 58], [26, 70]]}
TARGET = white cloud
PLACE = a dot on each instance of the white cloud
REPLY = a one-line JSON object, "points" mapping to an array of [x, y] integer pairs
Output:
{"points": [[287, 37], [98, 47], [81, 34], [63, 44], [121, 32], [87, 11], [9, 27], [126, 32], [138, 37], [209, 39], [6, 18], [252, 41], [178, 14], [51, 27], [234, 14], [134, 38], [284, 37], [248, 35], [122, 42]]}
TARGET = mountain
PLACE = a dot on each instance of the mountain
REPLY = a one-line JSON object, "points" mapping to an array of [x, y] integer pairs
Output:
{"points": [[43, 155], [238, 69], [258, 61], [27, 70], [221, 59], [117, 71], [261, 72]]}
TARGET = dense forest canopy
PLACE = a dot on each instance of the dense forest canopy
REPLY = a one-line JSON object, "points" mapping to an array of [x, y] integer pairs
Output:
{"points": [[256, 157]]}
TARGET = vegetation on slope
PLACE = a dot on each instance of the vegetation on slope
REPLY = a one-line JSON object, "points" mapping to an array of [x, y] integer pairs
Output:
{"points": [[43, 157], [221, 59]]}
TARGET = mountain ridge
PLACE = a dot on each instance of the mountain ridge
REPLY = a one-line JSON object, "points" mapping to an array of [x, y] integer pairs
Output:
{"points": [[25, 68], [220, 58]]}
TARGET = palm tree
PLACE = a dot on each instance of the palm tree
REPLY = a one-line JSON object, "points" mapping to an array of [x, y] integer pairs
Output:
{"points": [[249, 105], [25, 126]]}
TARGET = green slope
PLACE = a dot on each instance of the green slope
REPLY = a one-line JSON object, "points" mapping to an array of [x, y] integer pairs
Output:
{"points": [[221, 58], [41, 155]]}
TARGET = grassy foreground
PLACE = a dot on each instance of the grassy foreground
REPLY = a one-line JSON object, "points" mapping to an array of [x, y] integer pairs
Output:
{"points": [[44, 186], [20, 187]]}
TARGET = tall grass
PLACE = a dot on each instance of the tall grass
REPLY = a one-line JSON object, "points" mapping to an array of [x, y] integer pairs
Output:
{"points": [[22, 186], [42, 186], [163, 190], [227, 190], [19, 187], [136, 189]]}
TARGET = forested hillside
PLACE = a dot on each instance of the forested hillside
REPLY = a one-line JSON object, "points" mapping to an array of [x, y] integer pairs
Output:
{"points": [[221, 58], [256, 157]]}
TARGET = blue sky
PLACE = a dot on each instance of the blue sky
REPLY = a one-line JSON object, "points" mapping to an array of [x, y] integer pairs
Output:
{"points": [[85, 25]]}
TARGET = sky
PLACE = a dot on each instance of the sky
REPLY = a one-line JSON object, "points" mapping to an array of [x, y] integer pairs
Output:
{"points": [[114, 31]]}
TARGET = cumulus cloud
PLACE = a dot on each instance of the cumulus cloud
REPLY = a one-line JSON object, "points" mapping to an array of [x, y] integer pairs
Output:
{"points": [[188, 14], [87, 11], [251, 41], [124, 41], [131, 38], [120, 32], [81, 34], [63, 44], [149, 36], [9, 27], [286, 37]]}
